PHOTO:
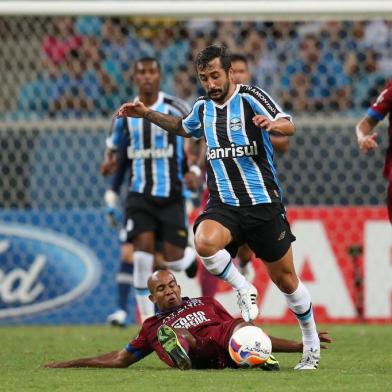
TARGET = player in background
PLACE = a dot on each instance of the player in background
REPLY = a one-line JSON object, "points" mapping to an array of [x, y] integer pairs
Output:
{"points": [[154, 207], [245, 204], [367, 139], [185, 333], [280, 143], [124, 277], [242, 75]]}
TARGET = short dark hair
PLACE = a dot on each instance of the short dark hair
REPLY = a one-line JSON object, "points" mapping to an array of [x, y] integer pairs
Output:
{"points": [[238, 57], [212, 52], [147, 59]]}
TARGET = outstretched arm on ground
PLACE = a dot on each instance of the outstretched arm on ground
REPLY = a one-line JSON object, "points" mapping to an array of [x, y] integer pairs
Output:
{"points": [[172, 124], [114, 359]]}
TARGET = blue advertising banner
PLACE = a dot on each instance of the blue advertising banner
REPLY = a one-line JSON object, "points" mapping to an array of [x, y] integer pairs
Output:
{"points": [[57, 267]]}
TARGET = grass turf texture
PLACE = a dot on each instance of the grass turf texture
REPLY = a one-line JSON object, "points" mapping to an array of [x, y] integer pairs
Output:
{"points": [[360, 359]]}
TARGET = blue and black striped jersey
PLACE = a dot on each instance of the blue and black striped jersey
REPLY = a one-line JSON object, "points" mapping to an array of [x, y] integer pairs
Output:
{"points": [[240, 167], [156, 157]]}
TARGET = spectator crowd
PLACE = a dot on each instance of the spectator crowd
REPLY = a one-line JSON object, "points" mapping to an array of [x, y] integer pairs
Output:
{"points": [[85, 63]]}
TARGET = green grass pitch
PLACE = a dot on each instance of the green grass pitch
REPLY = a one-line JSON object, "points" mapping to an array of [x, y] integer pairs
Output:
{"points": [[360, 359]]}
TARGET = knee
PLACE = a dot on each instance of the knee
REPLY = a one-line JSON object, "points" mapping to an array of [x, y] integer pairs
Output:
{"points": [[127, 253], [206, 245], [185, 334]]}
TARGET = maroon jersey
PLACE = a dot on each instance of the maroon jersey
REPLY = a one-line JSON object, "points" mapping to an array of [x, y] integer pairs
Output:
{"points": [[378, 111], [205, 318]]}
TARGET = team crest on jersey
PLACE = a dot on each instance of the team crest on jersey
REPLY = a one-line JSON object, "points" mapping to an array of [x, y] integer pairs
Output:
{"points": [[235, 124]]}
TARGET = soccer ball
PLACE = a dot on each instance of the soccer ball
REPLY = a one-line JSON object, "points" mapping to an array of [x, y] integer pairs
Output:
{"points": [[249, 346]]}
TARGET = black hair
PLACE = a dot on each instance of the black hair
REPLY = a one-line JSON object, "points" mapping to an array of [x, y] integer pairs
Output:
{"points": [[212, 52], [148, 59], [238, 57]]}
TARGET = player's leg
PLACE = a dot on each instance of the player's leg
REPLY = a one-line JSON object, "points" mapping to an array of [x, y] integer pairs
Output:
{"points": [[159, 260], [272, 243], [208, 283], [174, 233], [144, 263], [177, 343], [298, 300], [389, 200], [124, 276], [244, 256], [124, 281], [141, 228], [178, 258], [211, 239]]}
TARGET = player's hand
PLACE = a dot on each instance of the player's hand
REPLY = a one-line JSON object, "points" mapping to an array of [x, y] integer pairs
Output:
{"points": [[113, 216], [263, 122], [112, 210], [133, 109], [191, 181], [368, 143], [109, 164], [324, 338]]}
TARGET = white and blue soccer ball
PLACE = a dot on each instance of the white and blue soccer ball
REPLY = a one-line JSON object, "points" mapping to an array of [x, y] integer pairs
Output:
{"points": [[250, 346]]}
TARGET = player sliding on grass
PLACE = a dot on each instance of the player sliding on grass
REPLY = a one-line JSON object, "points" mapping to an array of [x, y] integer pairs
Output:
{"points": [[245, 204], [185, 333]]}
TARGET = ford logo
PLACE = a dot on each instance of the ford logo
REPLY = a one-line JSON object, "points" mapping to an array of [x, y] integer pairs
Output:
{"points": [[41, 269]]}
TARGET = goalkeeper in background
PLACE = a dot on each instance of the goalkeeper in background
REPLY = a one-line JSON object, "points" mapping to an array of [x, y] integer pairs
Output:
{"points": [[154, 207]]}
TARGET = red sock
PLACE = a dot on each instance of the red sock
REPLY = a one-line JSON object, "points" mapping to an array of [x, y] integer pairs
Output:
{"points": [[208, 283], [389, 200]]}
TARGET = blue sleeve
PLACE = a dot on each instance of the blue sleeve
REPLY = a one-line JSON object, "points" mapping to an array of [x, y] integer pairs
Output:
{"points": [[139, 354], [192, 123], [375, 115], [114, 140]]}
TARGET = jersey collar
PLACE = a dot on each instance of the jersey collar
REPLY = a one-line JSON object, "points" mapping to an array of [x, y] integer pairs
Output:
{"points": [[155, 105], [235, 92], [161, 312]]}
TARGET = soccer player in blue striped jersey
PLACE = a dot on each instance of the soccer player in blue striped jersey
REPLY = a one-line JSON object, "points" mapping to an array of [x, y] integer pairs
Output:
{"points": [[155, 207], [245, 198]]}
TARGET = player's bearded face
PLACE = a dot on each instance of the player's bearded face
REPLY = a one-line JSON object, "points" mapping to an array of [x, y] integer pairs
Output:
{"points": [[215, 80], [219, 94]]}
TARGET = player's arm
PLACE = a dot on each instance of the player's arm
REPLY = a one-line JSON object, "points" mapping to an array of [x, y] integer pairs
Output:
{"points": [[280, 143], [195, 151], [109, 164], [282, 125], [365, 137], [291, 346], [172, 124], [114, 359]]}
